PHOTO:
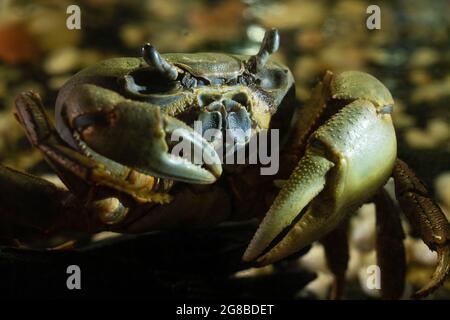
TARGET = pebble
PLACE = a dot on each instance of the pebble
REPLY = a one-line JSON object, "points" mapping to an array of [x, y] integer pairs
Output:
{"points": [[293, 14], [314, 260], [439, 129], [339, 57], [424, 57], [133, 35], [419, 77], [392, 58], [168, 10], [69, 59], [10, 132], [48, 26], [418, 252], [419, 139], [432, 92], [435, 134], [62, 60], [362, 234], [354, 263], [17, 44], [306, 68], [222, 21], [321, 285], [309, 39], [400, 117], [55, 83], [442, 186]]}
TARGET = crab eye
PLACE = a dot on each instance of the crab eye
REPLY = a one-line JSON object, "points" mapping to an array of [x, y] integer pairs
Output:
{"points": [[147, 81], [387, 109], [272, 79]]}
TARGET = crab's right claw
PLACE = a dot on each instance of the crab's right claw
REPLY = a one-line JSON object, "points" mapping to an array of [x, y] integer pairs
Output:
{"points": [[148, 140]]}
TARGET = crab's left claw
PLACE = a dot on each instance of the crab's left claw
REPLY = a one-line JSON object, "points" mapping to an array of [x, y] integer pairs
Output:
{"points": [[346, 161]]}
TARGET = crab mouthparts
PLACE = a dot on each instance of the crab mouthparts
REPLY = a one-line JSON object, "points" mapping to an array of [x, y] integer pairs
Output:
{"points": [[225, 121]]}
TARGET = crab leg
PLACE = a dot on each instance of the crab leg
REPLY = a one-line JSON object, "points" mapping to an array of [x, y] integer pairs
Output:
{"points": [[33, 207], [40, 196], [337, 255], [427, 219], [390, 249]]}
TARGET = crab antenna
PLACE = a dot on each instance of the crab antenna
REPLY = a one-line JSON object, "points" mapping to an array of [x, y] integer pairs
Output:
{"points": [[153, 58], [269, 45]]}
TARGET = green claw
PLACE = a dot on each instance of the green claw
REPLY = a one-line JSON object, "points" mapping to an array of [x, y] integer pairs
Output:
{"points": [[346, 161]]}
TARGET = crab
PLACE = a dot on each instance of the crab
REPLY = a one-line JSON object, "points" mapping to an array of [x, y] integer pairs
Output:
{"points": [[112, 148]]}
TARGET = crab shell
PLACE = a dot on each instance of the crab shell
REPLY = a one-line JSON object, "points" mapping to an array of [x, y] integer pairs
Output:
{"points": [[119, 111]]}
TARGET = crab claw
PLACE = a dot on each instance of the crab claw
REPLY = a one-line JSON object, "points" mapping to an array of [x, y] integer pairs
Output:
{"points": [[346, 161], [178, 168], [160, 160], [305, 183], [143, 140]]}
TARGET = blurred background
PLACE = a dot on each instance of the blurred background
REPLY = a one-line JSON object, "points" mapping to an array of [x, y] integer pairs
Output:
{"points": [[409, 54]]}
